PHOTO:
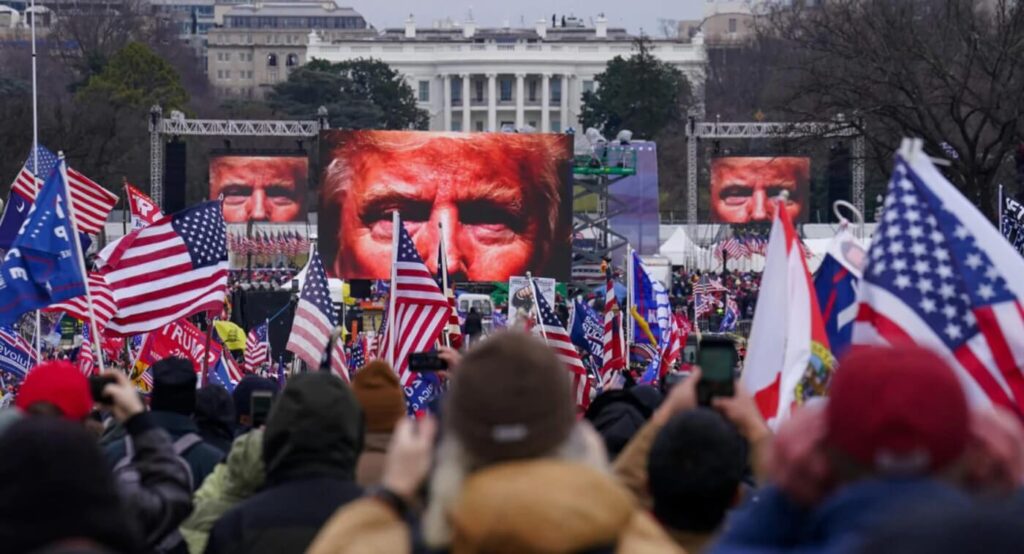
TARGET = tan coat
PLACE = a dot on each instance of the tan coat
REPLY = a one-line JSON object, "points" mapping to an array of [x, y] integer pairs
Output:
{"points": [[532, 507]]}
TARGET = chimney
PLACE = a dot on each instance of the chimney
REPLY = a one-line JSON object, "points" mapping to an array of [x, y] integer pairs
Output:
{"points": [[542, 28], [601, 26], [469, 28], [410, 27]]}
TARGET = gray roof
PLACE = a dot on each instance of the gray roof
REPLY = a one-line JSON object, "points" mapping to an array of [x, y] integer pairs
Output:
{"points": [[298, 9], [554, 34]]}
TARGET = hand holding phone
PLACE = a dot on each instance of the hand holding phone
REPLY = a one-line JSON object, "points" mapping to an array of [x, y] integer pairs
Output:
{"points": [[421, 362], [717, 359], [259, 407], [96, 385]]}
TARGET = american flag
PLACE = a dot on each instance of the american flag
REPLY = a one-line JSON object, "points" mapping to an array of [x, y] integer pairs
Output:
{"points": [[357, 358], [86, 358], [421, 309], [732, 246], [339, 361], [941, 276], [315, 317], [706, 285], [92, 202], [444, 280], [680, 330], [704, 304], [103, 303], [550, 328], [613, 359], [257, 347], [172, 269], [376, 345]]}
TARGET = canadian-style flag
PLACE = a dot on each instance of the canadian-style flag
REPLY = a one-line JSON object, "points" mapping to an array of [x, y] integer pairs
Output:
{"points": [[788, 345]]}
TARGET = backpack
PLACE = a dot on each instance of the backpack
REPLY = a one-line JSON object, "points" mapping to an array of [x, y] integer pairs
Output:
{"points": [[125, 473]]}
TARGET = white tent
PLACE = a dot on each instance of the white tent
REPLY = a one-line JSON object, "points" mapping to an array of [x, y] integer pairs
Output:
{"points": [[680, 249]]}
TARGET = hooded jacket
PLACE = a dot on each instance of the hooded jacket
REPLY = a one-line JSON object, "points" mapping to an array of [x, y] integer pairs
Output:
{"points": [[230, 483], [310, 447], [531, 507]]}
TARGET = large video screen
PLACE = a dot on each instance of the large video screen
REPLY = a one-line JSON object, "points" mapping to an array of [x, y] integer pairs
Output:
{"points": [[744, 189], [504, 199], [260, 188]]}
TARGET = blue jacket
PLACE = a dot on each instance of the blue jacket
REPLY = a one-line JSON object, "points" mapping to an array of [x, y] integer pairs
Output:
{"points": [[769, 522]]}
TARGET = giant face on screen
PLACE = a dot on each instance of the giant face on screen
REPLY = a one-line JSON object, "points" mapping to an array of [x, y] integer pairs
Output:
{"points": [[502, 200], [260, 188], [746, 189]]}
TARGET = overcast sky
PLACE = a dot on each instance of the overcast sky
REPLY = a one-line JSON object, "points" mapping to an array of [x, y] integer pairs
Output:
{"points": [[631, 14]]}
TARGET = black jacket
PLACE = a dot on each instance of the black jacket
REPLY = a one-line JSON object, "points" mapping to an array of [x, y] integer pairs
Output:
{"points": [[201, 458], [310, 446]]}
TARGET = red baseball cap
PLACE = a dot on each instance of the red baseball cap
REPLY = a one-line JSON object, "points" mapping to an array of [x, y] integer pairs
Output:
{"points": [[897, 410], [60, 384]]}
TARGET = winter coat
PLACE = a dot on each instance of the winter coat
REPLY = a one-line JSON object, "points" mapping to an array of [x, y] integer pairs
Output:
{"points": [[231, 482], [771, 523], [161, 498], [538, 506], [370, 468], [201, 458], [310, 446]]}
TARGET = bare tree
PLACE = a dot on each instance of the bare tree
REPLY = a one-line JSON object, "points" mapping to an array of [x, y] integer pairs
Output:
{"points": [[948, 71]]}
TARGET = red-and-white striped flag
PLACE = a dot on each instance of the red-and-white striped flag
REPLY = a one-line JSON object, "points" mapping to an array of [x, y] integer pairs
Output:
{"points": [[257, 347], [314, 316], [103, 303], [143, 209], [550, 328], [92, 202], [176, 267], [421, 309], [339, 362], [86, 358], [613, 358]]}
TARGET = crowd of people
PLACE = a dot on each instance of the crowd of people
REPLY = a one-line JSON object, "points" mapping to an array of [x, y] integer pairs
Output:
{"points": [[894, 460]]}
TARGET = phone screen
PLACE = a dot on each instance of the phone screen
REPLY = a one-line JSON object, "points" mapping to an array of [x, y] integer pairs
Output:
{"points": [[718, 362], [260, 403]]}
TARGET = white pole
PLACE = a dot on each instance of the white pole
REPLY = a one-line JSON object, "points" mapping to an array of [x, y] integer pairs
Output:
{"points": [[396, 222], [1001, 210], [442, 266], [97, 339], [35, 156], [536, 306], [629, 296]]}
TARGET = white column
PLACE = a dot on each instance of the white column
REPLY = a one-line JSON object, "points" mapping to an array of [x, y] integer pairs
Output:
{"points": [[492, 102], [565, 102], [446, 96], [545, 99], [466, 118], [520, 99]]}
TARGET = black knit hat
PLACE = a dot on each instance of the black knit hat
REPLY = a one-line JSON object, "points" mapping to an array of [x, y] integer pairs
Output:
{"points": [[174, 386], [55, 486], [511, 398]]}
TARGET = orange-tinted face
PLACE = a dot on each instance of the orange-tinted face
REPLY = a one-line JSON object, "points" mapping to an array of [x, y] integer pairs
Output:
{"points": [[259, 188], [744, 190], [494, 223]]}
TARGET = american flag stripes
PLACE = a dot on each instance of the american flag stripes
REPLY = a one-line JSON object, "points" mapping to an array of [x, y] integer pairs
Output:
{"points": [[315, 317], [940, 275], [556, 337], [86, 358], [421, 309], [454, 329], [103, 303], [339, 361], [257, 347], [171, 269], [92, 202], [613, 360]]}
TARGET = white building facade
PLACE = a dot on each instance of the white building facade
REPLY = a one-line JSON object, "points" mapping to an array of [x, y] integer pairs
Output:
{"points": [[471, 79]]}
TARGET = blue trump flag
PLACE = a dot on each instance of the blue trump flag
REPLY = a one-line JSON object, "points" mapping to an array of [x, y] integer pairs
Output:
{"points": [[42, 266], [587, 332], [651, 301], [836, 286], [16, 354]]}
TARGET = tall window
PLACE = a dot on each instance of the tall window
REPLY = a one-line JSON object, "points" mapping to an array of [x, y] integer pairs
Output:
{"points": [[588, 86], [506, 90], [533, 91], [292, 60], [456, 91], [272, 60], [732, 24], [479, 90], [424, 91], [556, 90]]}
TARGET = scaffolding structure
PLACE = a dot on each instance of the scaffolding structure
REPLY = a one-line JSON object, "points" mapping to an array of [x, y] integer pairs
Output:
{"points": [[839, 128], [178, 125], [593, 175]]}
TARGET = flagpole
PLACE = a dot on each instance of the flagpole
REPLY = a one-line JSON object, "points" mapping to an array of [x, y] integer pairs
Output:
{"points": [[442, 264], [396, 221], [97, 337], [629, 294], [35, 162], [1001, 210], [536, 306]]}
